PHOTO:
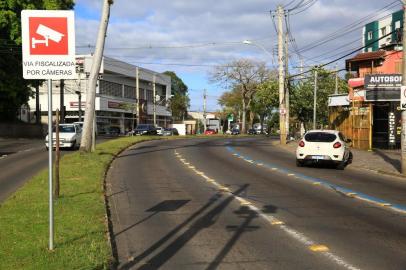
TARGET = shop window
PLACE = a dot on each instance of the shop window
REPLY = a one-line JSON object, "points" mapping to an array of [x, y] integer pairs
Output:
{"points": [[110, 89]]}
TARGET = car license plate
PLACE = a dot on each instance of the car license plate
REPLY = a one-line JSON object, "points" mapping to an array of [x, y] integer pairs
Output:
{"points": [[318, 157]]}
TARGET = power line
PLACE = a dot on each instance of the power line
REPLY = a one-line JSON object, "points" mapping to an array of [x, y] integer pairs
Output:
{"points": [[341, 57]]}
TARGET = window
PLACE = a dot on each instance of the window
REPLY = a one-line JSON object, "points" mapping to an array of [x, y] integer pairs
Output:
{"points": [[110, 89], [150, 96], [129, 92], [383, 31], [397, 25], [320, 137], [369, 35]]}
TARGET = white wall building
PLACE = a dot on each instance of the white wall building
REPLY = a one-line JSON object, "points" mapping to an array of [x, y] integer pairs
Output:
{"points": [[115, 95]]}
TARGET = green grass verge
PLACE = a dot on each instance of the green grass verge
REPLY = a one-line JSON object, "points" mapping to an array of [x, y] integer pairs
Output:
{"points": [[81, 231], [80, 216]]}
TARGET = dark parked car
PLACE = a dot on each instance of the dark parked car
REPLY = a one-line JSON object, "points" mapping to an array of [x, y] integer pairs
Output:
{"points": [[144, 129], [235, 131], [170, 132], [114, 131], [252, 131]]}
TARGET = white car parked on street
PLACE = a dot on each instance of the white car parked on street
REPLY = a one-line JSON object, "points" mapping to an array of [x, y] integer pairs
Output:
{"points": [[327, 146], [70, 136]]}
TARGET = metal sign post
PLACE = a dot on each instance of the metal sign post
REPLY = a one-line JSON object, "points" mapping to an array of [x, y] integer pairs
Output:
{"points": [[48, 47], [50, 148]]}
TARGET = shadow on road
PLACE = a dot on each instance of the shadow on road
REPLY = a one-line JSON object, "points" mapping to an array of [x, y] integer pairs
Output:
{"points": [[181, 240]]}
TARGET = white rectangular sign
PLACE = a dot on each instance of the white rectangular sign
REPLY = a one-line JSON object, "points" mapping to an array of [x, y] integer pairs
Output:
{"points": [[48, 44], [403, 97]]}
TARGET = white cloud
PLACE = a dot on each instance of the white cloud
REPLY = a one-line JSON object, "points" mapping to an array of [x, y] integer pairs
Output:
{"points": [[162, 24]]}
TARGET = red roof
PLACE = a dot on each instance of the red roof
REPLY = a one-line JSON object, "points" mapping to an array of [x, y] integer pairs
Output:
{"points": [[368, 56]]}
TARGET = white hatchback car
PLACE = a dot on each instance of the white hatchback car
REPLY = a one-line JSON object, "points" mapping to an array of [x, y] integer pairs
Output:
{"points": [[327, 146], [70, 136]]}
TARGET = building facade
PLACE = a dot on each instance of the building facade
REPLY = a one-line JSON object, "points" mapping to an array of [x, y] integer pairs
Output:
{"points": [[384, 33], [370, 114], [115, 96]]}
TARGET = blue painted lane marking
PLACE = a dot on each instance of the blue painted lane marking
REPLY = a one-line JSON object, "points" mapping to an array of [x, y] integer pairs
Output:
{"points": [[322, 182]]}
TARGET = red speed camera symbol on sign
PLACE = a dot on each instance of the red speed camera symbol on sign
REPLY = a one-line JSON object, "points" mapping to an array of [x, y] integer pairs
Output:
{"points": [[48, 35]]}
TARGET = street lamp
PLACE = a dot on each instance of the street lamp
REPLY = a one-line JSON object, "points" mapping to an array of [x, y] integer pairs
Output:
{"points": [[250, 42]]}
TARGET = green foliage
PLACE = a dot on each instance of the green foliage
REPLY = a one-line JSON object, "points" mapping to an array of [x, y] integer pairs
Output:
{"points": [[177, 85], [179, 105], [266, 98], [301, 97], [180, 101], [14, 90]]}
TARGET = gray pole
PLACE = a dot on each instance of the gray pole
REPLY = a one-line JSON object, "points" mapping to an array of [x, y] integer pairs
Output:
{"points": [[204, 110], [336, 89], [50, 148], [287, 82], [315, 98], [80, 106], [403, 137], [137, 93], [154, 98], [282, 108], [86, 143]]}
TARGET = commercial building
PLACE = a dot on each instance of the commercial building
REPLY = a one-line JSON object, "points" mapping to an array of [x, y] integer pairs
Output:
{"points": [[370, 113], [115, 96]]}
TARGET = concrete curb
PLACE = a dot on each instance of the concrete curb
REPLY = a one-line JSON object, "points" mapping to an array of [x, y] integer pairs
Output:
{"points": [[386, 173]]}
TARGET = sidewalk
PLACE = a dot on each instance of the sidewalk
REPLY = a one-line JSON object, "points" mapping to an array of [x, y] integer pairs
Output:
{"points": [[378, 160]]}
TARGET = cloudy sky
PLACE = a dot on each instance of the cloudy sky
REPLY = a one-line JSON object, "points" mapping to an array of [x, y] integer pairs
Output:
{"points": [[191, 37]]}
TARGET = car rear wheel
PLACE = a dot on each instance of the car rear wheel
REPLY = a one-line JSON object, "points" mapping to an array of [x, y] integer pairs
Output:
{"points": [[341, 165], [299, 163]]}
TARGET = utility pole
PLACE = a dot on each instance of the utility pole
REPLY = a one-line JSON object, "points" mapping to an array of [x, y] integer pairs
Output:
{"points": [[204, 110], [137, 93], [62, 100], [154, 98], [88, 125], [282, 107], [403, 137], [336, 89], [287, 83], [315, 97]]}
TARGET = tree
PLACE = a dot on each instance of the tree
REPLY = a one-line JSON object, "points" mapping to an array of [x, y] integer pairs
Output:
{"points": [[179, 105], [302, 97], [266, 100], [14, 90], [180, 101], [245, 74]]}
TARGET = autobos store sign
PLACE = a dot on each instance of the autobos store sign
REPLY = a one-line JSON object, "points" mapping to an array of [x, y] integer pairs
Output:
{"points": [[383, 86], [48, 44]]}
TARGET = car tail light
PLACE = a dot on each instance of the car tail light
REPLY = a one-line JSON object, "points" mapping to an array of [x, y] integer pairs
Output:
{"points": [[301, 144], [337, 145]]}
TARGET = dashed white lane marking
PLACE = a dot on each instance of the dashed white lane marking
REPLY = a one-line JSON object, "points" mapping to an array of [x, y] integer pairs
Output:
{"points": [[311, 245]]}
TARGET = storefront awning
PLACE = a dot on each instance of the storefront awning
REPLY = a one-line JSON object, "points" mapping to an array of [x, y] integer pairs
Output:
{"points": [[356, 82]]}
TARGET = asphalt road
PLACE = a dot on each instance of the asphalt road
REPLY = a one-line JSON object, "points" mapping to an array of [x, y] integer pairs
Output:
{"points": [[20, 160], [243, 204]]}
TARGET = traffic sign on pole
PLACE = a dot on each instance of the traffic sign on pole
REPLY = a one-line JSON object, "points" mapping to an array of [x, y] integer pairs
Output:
{"points": [[403, 97], [48, 44]]}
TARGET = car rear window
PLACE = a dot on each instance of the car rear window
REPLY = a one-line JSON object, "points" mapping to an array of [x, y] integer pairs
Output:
{"points": [[65, 129], [320, 137]]}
